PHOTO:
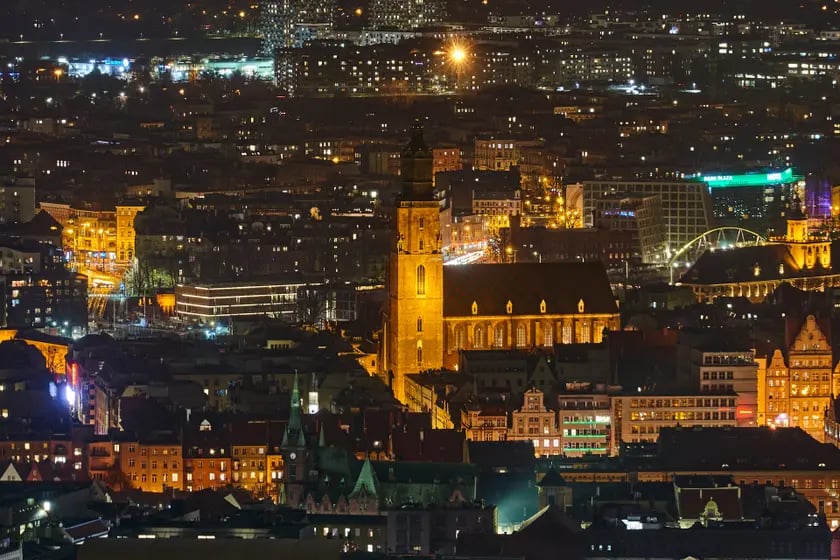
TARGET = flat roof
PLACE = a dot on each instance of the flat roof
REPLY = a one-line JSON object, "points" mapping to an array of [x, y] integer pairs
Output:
{"points": [[759, 179]]}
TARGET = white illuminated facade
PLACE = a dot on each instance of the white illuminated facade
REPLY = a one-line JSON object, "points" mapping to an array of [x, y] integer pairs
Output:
{"points": [[584, 423], [214, 302]]}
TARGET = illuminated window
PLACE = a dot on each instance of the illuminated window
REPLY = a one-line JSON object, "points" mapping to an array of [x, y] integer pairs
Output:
{"points": [[548, 338], [499, 336], [419, 354], [478, 337], [521, 336], [421, 280]]}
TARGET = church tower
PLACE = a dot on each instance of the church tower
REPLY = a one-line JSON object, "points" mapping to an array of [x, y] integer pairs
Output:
{"points": [[293, 449], [413, 325]]}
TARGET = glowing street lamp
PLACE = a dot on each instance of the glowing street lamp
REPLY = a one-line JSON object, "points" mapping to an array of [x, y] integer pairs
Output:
{"points": [[457, 55]]}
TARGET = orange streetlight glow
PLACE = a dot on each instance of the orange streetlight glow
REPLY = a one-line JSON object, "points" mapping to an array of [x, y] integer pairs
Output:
{"points": [[457, 55]]}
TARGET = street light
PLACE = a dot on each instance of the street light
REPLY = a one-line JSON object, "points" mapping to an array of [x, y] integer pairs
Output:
{"points": [[457, 55]]}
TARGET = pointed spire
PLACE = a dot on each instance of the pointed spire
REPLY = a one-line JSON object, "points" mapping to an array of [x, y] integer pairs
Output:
{"points": [[294, 429], [367, 480]]}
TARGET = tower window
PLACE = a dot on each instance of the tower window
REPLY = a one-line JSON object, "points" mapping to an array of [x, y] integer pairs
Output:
{"points": [[421, 280], [419, 355], [419, 324], [421, 223], [421, 244]]}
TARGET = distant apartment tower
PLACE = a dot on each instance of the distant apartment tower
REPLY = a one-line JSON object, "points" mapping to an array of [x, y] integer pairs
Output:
{"points": [[686, 206], [282, 21], [406, 14], [17, 200]]}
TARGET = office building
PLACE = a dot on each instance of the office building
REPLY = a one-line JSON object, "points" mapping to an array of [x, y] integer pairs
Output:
{"points": [[584, 421], [216, 302], [641, 218], [638, 418], [686, 206]]}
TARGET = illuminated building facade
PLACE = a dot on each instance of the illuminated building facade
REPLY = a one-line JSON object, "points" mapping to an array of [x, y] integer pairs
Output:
{"points": [[638, 418], [206, 467], [90, 236], [584, 421], [404, 16], [373, 69], [434, 312], [525, 305], [729, 371], [152, 466], [125, 214], [497, 207], [534, 422], [640, 217], [798, 388], [754, 272], [413, 328], [499, 154], [280, 19], [686, 206], [215, 302], [44, 299], [445, 159], [764, 195], [487, 422]]}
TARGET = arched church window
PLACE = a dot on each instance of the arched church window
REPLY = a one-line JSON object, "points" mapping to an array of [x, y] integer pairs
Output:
{"points": [[567, 333], [499, 336], [478, 337], [419, 324], [585, 332], [548, 336], [419, 355], [521, 336], [421, 280]]}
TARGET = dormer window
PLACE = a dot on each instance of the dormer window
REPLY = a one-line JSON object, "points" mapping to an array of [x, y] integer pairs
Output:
{"points": [[542, 306], [509, 307]]}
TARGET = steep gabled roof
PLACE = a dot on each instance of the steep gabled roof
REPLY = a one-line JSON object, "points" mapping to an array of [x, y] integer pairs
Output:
{"points": [[531, 289], [366, 481]]}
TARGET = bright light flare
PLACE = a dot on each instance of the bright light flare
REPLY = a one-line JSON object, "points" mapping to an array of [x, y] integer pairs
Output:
{"points": [[457, 54]]}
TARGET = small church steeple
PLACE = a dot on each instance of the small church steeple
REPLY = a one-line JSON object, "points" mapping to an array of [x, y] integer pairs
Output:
{"points": [[294, 429]]}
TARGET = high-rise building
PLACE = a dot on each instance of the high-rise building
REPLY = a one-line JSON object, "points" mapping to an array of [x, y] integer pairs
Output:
{"points": [[283, 22], [406, 14]]}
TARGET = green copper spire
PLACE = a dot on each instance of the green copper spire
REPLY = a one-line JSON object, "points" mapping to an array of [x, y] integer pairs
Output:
{"points": [[294, 430]]}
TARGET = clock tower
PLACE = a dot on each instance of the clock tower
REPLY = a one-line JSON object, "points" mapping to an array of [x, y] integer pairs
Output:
{"points": [[412, 335], [293, 449]]}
